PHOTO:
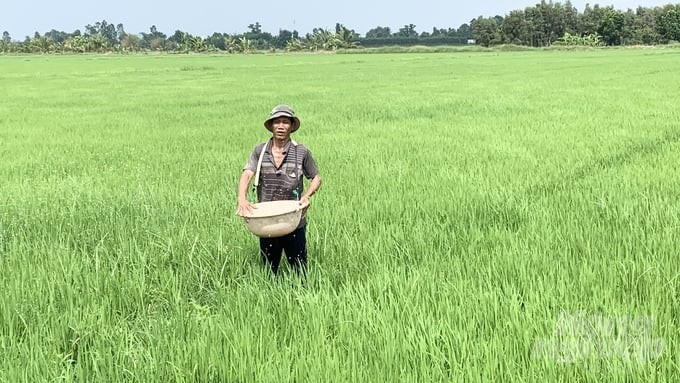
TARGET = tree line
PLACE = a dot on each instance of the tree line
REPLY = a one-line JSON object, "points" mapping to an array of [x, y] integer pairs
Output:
{"points": [[545, 24]]}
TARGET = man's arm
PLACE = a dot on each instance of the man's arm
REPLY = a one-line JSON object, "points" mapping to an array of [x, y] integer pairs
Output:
{"points": [[311, 189], [244, 206]]}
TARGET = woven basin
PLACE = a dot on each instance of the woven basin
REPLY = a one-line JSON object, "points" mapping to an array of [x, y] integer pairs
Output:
{"points": [[274, 218]]}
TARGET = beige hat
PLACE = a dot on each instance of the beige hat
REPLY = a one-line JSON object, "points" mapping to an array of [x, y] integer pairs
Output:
{"points": [[282, 111]]}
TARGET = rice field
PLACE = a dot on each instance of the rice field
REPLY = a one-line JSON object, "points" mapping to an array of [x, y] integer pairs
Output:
{"points": [[484, 216]]}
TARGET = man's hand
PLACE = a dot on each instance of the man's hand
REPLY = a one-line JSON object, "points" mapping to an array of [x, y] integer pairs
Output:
{"points": [[304, 203], [244, 207]]}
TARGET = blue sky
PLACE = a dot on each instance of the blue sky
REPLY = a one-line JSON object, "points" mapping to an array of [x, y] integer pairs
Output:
{"points": [[203, 17]]}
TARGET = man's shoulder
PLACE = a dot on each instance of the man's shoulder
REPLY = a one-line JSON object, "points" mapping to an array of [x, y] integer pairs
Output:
{"points": [[300, 146], [259, 146]]}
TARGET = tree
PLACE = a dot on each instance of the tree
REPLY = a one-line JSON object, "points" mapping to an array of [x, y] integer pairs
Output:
{"points": [[255, 28], [645, 30], [570, 18], [106, 31], [120, 32], [544, 23], [57, 37], [6, 42], [627, 32], [130, 42], [281, 40], [244, 45], [176, 37], [464, 31], [295, 45], [515, 29], [553, 20], [670, 24], [345, 38], [321, 39], [379, 33], [154, 40], [77, 44], [231, 44], [194, 43], [611, 27], [589, 21], [486, 31], [98, 43], [257, 38], [217, 40], [407, 31]]}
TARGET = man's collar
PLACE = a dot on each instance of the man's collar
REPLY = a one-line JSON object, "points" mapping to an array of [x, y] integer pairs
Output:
{"points": [[285, 148]]}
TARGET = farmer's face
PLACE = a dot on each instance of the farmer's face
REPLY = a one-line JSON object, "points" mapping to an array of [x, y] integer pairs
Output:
{"points": [[282, 127]]}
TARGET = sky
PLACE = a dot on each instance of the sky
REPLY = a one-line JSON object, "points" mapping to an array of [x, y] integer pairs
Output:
{"points": [[203, 17]]}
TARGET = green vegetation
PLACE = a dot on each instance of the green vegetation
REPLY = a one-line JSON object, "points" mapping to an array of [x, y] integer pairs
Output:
{"points": [[470, 200], [541, 25], [592, 40]]}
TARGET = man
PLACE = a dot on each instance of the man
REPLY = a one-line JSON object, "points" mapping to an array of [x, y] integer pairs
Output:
{"points": [[283, 165]]}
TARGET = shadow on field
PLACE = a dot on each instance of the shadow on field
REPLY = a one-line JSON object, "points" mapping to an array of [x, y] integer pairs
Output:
{"points": [[624, 156], [506, 214]]}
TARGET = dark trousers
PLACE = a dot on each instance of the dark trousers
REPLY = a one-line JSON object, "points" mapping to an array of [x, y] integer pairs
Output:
{"points": [[295, 246]]}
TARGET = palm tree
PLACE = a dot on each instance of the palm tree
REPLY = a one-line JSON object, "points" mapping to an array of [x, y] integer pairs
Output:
{"points": [[194, 43], [77, 44], [346, 38], [41, 44], [231, 44], [98, 43], [244, 45], [322, 39], [295, 45]]}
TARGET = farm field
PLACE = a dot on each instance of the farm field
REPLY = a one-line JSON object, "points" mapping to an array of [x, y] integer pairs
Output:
{"points": [[484, 216]]}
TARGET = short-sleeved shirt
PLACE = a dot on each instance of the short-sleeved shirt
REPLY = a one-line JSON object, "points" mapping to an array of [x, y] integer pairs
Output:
{"points": [[286, 181]]}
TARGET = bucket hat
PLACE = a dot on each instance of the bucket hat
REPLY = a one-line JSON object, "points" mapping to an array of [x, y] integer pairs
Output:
{"points": [[282, 111]]}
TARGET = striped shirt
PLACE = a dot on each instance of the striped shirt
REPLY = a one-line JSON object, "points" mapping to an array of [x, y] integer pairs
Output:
{"points": [[286, 181]]}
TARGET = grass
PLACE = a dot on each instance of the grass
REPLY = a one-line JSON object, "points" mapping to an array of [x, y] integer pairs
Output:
{"points": [[470, 201]]}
